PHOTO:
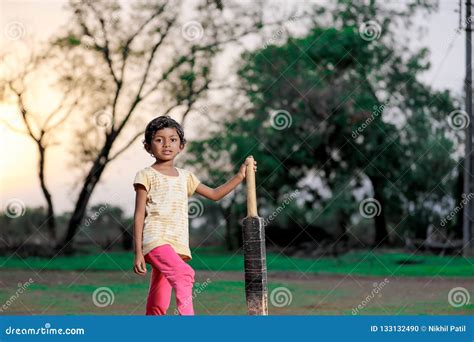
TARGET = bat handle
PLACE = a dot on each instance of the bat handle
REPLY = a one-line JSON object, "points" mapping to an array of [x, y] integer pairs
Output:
{"points": [[251, 192]]}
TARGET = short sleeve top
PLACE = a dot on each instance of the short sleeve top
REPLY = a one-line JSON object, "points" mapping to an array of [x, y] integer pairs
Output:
{"points": [[166, 211]]}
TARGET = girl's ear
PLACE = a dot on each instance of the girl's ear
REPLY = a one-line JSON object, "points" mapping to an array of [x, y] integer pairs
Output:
{"points": [[147, 147]]}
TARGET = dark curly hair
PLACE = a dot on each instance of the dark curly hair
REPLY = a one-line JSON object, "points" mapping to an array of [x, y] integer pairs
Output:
{"points": [[164, 121]]}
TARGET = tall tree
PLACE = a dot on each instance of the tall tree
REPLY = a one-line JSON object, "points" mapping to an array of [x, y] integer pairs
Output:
{"points": [[18, 81], [345, 104], [147, 55]]}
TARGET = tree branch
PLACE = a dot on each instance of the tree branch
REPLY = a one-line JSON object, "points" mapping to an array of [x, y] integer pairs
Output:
{"points": [[124, 148], [23, 111], [13, 128], [106, 47]]}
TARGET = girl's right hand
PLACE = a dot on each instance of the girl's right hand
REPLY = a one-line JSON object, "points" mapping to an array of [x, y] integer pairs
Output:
{"points": [[139, 265]]}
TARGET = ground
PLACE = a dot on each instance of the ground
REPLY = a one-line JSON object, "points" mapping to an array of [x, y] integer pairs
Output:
{"points": [[222, 293], [381, 282]]}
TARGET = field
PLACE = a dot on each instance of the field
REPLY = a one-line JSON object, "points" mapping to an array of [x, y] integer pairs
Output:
{"points": [[362, 283]]}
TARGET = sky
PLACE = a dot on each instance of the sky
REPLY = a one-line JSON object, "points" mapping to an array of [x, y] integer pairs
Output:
{"points": [[18, 157]]}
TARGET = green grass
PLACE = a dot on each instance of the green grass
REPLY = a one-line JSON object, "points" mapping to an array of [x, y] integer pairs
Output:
{"points": [[216, 259]]}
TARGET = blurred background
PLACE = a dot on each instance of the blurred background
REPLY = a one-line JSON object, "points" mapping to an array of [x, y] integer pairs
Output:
{"points": [[354, 110]]}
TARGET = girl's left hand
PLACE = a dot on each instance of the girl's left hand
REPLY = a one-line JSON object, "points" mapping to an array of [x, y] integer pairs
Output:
{"points": [[243, 168]]}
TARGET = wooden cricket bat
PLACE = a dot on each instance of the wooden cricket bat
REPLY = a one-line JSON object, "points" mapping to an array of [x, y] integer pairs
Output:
{"points": [[256, 291]]}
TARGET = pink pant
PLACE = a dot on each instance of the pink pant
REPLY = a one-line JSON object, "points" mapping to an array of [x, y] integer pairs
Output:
{"points": [[169, 271]]}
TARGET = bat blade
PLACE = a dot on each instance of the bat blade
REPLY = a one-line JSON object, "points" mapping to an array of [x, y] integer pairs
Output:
{"points": [[256, 290]]}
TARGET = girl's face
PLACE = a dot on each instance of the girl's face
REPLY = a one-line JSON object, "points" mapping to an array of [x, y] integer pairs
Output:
{"points": [[165, 144]]}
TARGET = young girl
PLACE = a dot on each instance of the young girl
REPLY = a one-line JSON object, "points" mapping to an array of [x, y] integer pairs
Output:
{"points": [[161, 217]]}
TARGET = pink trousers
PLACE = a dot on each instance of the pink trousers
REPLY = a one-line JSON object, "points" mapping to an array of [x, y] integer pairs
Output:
{"points": [[169, 271]]}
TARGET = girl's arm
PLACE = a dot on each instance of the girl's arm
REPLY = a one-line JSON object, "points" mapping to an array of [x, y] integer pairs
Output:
{"points": [[138, 221], [218, 193]]}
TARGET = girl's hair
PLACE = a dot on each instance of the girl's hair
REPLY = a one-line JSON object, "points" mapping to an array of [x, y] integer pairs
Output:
{"points": [[164, 121]]}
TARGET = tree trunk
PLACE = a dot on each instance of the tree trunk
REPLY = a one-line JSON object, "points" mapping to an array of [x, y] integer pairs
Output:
{"points": [[230, 242], [344, 219], [231, 222], [50, 219], [381, 231], [127, 239], [458, 192], [66, 246]]}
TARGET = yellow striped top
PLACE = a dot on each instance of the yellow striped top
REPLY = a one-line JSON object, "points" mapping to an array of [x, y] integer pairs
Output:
{"points": [[166, 213]]}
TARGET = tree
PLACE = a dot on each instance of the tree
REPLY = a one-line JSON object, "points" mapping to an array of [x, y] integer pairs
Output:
{"points": [[40, 125], [345, 105], [145, 55]]}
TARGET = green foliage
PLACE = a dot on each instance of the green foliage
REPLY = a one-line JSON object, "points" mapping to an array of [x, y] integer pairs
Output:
{"points": [[357, 113], [73, 41], [211, 259]]}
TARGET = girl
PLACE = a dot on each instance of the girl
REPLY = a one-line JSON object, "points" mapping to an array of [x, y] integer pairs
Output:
{"points": [[161, 217]]}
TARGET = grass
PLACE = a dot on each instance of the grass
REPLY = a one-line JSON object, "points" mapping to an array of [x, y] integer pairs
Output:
{"points": [[366, 263], [226, 297]]}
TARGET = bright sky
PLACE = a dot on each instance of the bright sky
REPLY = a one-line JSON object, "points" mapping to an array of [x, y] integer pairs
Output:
{"points": [[18, 159]]}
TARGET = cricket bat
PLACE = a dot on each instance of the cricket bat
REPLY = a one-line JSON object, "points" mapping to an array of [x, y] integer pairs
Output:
{"points": [[256, 291]]}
